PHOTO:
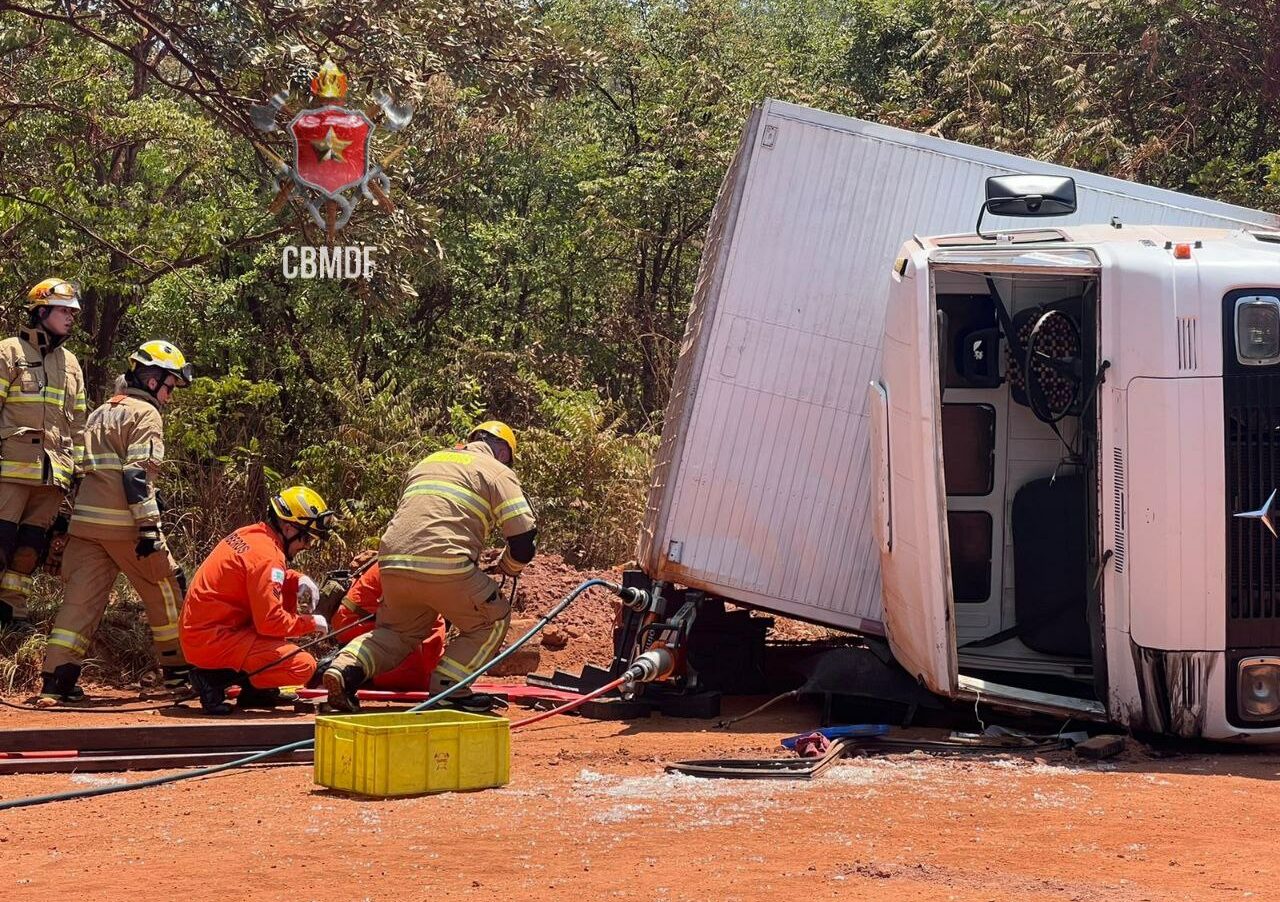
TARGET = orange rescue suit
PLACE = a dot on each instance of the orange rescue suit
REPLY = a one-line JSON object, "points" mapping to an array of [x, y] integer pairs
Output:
{"points": [[236, 615], [414, 673]]}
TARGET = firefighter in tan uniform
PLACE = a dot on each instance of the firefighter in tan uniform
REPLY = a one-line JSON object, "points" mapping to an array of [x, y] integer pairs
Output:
{"points": [[428, 556], [42, 412], [115, 525]]}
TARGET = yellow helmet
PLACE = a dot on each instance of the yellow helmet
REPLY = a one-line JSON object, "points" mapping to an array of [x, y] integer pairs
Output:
{"points": [[497, 429], [53, 293], [165, 356], [303, 507]]}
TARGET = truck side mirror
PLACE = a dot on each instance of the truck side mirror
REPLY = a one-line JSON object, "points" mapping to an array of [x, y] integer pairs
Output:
{"points": [[1028, 195]]}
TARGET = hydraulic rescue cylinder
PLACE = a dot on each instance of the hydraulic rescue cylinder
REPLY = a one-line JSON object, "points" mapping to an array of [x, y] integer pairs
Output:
{"points": [[654, 664]]}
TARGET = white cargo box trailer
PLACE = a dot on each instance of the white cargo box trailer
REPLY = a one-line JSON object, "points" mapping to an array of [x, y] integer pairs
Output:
{"points": [[762, 486]]}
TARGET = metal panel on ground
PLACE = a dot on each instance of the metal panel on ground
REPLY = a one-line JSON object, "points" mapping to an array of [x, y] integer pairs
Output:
{"points": [[762, 485]]}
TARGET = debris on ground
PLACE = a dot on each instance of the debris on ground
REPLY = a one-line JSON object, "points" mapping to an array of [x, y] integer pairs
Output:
{"points": [[1099, 747]]}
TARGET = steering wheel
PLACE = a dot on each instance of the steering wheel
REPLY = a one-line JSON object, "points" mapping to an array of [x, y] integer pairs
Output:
{"points": [[1054, 366]]}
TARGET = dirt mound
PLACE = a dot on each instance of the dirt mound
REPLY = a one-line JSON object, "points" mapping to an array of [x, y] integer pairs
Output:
{"points": [[583, 633]]}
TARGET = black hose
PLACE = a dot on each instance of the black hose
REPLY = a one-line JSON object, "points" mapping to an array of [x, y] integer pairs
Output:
{"points": [[312, 644], [302, 743], [725, 724], [158, 706]]}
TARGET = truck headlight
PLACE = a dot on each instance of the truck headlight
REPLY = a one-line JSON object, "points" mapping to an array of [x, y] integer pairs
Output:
{"points": [[1258, 688], [1258, 330]]}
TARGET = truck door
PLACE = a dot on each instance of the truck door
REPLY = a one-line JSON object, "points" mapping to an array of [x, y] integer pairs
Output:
{"points": [[914, 556]]}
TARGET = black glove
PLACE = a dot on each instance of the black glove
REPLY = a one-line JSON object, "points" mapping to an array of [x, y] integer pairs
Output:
{"points": [[148, 541], [60, 525]]}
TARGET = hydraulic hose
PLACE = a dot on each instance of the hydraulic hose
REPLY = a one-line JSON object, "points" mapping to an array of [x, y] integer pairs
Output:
{"points": [[303, 743], [569, 706]]}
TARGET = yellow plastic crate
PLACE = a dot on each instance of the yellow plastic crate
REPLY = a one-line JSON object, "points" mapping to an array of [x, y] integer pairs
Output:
{"points": [[407, 754]]}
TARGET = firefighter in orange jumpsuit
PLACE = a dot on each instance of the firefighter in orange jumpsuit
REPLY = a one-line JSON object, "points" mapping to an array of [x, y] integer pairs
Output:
{"points": [[413, 674], [237, 620], [451, 500]]}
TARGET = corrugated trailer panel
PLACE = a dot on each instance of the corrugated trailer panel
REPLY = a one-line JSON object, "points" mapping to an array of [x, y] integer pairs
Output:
{"points": [[762, 485], [693, 348]]}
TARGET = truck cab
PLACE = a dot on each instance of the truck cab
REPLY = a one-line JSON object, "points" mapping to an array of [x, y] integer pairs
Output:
{"points": [[1076, 446]]}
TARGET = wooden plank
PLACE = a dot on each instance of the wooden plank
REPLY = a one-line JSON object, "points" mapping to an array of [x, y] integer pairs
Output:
{"points": [[159, 737], [86, 764]]}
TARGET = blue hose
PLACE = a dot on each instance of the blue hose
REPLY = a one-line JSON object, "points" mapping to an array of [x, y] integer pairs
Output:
{"points": [[305, 743]]}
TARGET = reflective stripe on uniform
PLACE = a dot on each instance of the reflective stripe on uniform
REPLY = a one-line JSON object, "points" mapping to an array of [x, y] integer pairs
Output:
{"points": [[452, 669], [357, 649], [145, 510], [139, 453], [509, 510], [61, 473], [424, 563], [71, 641], [169, 591], [464, 496], [107, 460], [166, 633], [496, 632], [22, 469], [48, 395], [13, 581], [450, 457], [352, 606], [104, 516]]}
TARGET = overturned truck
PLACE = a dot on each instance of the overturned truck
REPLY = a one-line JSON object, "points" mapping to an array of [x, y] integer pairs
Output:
{"points": [[1025, 457]]}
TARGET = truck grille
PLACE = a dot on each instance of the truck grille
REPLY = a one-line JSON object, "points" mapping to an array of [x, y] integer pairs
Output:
{"points": [[1252, 410]]}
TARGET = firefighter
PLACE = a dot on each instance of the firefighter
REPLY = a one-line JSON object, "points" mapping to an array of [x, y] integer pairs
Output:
{"points": [[413, 674], [428, 558], [115, 525], [237, 619], [42, 413]]}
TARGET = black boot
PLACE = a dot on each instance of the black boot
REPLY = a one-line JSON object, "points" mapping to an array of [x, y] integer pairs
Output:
{"points": [[472, 702], [466, 700], [60, 686], [18, 625], [342, 683], [251, 698], [176, 678], [212, 687], [317, 678]]}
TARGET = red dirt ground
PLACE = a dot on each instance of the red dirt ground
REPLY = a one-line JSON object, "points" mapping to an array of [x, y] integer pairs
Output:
{"points": [[589, 814]]}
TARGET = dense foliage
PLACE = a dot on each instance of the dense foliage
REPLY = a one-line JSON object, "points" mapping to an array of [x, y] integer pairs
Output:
{"points": [[552, 193]]}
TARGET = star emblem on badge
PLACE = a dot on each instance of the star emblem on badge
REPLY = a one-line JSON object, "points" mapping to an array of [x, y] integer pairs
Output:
{"points": [[1263, 513], [331, 147]]}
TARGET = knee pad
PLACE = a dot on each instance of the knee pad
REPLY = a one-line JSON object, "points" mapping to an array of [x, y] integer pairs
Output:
{"points": [[32, 545], [8, 542]]}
